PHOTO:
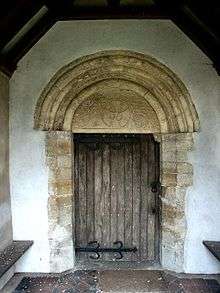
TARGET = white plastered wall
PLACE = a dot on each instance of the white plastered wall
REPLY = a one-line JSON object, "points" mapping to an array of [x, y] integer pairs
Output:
{"points": [[67, 41]]}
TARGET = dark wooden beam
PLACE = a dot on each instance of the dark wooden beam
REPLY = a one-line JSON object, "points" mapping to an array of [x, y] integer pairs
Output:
{"points": [[113, 3], [196, 29], [125, 12], [183, 16], [14, 19], [59, 7], [8, 61]]}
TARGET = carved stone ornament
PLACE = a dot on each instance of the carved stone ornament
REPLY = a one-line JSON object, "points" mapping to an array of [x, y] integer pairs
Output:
{"points": [[116, 91]]}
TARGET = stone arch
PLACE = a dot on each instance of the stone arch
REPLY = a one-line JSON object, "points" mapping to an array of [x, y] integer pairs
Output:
{"points": [[117, 91], [113, 91]]}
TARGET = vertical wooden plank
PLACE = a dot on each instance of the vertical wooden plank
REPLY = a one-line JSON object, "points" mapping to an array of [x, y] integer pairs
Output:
{"points": [[128, 198], [120, 191], [151, 199], [144, 233], [136, 199], [76, 193], [90, 193], [99, 204], [74, 187], [81, 231], [157, 204], [114, 193], [106, 229]]}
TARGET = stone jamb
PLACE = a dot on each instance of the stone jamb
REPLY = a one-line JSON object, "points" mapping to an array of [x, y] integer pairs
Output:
{"points": [[176, 175], [59, 150]]}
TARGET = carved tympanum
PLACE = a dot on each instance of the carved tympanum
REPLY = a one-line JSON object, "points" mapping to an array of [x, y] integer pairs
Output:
{"points": [[115, 109]]}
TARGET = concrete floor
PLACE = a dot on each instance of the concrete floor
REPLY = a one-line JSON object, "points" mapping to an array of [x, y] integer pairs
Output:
{"points": [[113, 281]]}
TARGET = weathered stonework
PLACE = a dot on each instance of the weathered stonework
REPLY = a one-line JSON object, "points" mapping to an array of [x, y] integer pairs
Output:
{"points": [[59, 162], [117, 92], [176, 175]]}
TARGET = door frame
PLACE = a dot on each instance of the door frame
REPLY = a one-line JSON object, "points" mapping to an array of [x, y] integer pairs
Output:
{"points": [[176, 176], [121, 137]]}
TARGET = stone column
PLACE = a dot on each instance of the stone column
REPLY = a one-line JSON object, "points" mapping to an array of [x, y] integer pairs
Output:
{"points": [[5, 202]]}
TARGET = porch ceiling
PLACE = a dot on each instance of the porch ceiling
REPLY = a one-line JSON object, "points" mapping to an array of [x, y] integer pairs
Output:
{"points": [[24, 22]]}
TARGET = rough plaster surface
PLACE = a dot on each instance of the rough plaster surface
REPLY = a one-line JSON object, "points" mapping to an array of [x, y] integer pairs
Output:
{"points": [[67, 41], [5, 202]]}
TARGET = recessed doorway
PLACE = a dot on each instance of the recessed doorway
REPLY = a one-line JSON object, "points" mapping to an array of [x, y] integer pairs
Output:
{"points": [[116, 179]]}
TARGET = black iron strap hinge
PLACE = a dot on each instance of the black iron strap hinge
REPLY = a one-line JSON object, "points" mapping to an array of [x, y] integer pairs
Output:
{"points": [[95, 248]]}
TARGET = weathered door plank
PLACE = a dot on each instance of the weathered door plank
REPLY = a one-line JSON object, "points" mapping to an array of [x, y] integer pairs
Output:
{"points": [[113, 197], [144, 233], [128, 198], [136, 199]]}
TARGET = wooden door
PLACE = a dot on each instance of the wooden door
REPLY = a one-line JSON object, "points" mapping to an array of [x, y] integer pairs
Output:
{"points": [[114, 201]]}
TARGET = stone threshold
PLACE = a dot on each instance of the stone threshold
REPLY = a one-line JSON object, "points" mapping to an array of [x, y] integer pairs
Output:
{"points": [[117, 265]]}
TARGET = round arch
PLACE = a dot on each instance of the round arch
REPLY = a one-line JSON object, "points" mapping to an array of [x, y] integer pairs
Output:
{"points": [[117, 92], [114, 91]]}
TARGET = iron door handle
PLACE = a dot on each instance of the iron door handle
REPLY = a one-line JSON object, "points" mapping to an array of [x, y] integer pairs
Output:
{"points": [[155, 186]]}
